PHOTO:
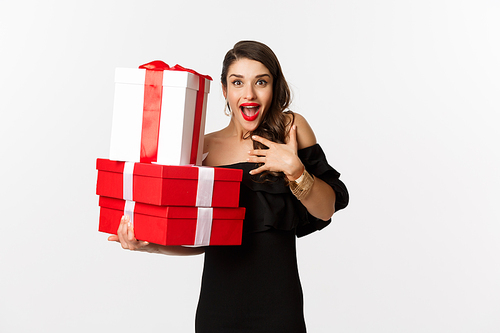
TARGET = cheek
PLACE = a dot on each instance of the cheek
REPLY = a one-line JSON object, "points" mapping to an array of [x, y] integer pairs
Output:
{"points": [[232, 99], [268, 98]]}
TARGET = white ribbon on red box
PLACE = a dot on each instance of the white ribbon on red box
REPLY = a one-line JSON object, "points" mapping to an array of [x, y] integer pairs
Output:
{"points": [[205, 187], [128, 190], [128, 181], [204, 196], [203, 226], [129, 210]]}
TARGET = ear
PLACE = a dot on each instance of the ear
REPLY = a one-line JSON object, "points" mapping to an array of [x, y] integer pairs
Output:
{"points": [[224, 90]]}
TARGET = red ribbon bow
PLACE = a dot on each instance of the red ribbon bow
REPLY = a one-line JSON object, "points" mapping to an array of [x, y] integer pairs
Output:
{"points": [[156, 65]]}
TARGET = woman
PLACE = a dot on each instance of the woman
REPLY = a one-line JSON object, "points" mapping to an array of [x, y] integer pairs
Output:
{"points": [[288, 190]]}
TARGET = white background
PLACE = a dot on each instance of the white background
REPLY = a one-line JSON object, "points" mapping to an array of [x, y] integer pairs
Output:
{"points": [[403, 97]]}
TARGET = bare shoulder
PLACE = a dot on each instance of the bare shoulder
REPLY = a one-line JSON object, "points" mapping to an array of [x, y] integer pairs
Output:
{"points": [[212, 140], [305, 134]]}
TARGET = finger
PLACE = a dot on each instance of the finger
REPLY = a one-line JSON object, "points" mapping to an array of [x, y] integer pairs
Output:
{"points": [[138, 245], [256, 159], [113, 238], [292, 137], [258, 152], [130, 233], [122, 228], [258, 170], [142, 244], [133, 243], [119, 231], [262, 140], [122, 233]]}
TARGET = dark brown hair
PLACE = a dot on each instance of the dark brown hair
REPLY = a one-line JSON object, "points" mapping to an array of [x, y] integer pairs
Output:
{"points": [[275, 124]]}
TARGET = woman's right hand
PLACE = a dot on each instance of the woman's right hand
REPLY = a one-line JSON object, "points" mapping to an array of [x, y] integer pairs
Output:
{"points": [[126, 237]]}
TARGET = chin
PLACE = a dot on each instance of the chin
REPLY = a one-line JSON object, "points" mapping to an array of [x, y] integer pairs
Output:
{"points": [[251, 126]]}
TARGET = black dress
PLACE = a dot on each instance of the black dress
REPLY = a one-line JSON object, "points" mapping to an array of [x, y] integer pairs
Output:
{"points": [[255, 287]]}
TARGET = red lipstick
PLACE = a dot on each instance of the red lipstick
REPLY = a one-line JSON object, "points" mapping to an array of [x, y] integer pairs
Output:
{"points": [[250, 111]]}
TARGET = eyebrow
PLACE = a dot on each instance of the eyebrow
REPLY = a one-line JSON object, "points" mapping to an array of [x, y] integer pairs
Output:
{"points": [[239, 76]]}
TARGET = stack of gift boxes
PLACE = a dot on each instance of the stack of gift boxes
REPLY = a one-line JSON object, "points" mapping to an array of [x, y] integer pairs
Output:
{"points": [[153, 174]]}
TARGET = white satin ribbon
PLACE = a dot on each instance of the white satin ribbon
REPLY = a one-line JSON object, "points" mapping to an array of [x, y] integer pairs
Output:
{"points": [[128, 181], [203, 226], [205, 187], [128, 190], [129, 210]]}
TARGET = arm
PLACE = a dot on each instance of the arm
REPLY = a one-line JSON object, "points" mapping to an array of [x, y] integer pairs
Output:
{"points": [[125, 236], [320, 201]]}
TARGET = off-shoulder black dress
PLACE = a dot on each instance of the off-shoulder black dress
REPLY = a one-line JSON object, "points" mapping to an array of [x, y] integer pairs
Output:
{"points": [[255, 287]]}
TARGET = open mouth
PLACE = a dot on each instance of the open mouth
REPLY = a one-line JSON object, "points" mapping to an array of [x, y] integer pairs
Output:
{"points": [[250, 111]]}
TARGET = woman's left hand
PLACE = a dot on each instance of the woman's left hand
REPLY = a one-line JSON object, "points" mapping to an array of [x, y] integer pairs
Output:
{"points": [[279, 157]]}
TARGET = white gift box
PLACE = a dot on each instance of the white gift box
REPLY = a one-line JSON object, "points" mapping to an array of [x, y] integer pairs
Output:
{"points": [[178, 142]]}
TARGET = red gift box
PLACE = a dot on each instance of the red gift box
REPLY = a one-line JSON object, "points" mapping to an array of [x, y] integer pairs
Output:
{"points": [[167, 225], [159, 114], [170, 185]]}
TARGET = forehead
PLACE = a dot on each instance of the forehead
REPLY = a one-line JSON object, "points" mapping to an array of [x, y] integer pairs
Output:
{"points": [[247, 68]]}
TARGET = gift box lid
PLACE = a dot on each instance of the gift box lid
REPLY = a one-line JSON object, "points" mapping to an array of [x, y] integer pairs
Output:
{"points": [[175, 78], [173, 212], [169, 171]]}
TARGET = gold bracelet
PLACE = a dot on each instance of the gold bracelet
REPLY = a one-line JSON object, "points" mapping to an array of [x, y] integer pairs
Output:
{"points": [[302, 185]]}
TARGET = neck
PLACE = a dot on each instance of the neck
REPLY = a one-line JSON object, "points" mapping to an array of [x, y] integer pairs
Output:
{"points": [[236, 130]]}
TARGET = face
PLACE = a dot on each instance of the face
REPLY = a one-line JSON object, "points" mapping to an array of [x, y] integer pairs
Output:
{"points": [[249, 92]]}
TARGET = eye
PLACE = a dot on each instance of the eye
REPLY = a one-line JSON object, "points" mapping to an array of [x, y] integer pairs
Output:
{"points": [[261, 82], [237, 83]]}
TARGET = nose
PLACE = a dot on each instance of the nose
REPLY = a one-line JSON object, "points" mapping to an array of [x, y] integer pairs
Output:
{"points": [[250, 93]]}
